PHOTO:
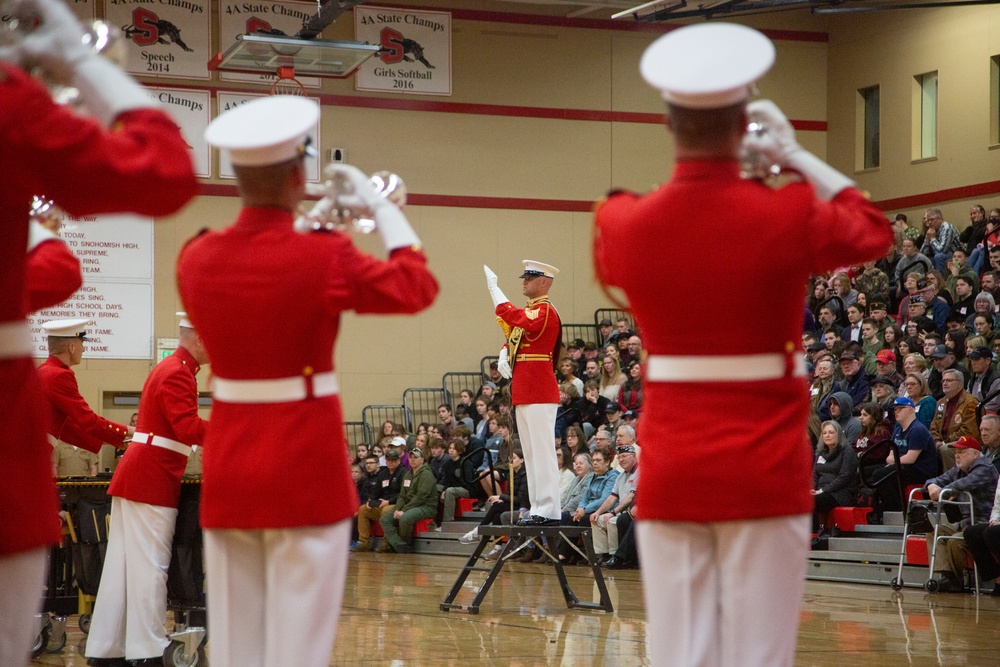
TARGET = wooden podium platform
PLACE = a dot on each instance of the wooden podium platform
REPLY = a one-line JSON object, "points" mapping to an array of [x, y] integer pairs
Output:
{"points": [[532, 534]]}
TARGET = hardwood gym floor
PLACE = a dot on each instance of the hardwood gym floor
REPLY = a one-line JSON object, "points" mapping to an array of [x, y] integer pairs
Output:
{"points": [[391, 617]]}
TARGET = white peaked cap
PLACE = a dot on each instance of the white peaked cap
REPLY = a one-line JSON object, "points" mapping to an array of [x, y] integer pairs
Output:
{"points": [[76, 328], [707, 66], [533, 269], [185, 322], [269, 130]]}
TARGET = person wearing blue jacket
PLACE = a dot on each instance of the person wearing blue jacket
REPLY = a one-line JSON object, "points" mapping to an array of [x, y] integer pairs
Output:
{"points": [[600, 487]]}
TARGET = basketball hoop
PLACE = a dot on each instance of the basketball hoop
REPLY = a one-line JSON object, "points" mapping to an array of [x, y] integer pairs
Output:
{"points": [[287, 84]]}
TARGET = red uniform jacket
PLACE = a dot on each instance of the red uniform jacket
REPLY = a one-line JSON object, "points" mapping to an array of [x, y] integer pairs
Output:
{"points": [[53, 274], [72, 419], [49, 150], [738, 450], [168, 408], [266, 301], [534, 380]]}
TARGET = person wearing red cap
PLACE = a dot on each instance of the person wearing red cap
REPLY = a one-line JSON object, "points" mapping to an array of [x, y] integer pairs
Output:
{"points": [[733, 555], [971, 474], [885, 366], [143, 166]]}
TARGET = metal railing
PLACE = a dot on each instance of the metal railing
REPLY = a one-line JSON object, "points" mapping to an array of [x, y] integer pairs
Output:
{"points": [[356, 433], [454, 383], [374, 416], [421, 405], [588, 333]]}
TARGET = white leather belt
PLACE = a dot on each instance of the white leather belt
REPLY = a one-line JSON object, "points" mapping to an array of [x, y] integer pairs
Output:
{"points": [[280, 390], [160, 441], [729, 368], [15, 340]]}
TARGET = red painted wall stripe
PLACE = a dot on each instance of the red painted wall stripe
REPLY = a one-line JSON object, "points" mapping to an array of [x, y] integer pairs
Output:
{"points": [[583, 206], [940, 196], [621, 25], [503, 110]]}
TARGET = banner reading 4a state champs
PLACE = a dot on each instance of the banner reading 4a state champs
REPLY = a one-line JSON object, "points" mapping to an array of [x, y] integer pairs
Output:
{"points": [[415, 54], [163, 38]]}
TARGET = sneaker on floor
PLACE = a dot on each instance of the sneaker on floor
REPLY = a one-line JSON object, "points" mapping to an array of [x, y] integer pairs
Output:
{"points": [[497, 550], [384, 547], [359, 546], [470, 537]]}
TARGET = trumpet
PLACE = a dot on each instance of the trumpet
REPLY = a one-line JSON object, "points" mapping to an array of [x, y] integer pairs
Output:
{"points": [[101, 38], [338, 209], [753, 164]]}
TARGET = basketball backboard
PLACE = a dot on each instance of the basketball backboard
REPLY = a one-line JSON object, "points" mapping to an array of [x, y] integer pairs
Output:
{"points": [[261, 53]]}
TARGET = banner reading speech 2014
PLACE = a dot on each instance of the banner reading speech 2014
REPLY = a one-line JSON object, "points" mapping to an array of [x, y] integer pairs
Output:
{"points": [[163, 38], [416, 50]]}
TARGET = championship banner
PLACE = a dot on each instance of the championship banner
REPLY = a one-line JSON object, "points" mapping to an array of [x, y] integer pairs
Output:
{"points": [[116, 258], [191, 110], [416, 50], [228, 101], [163, 38], [273, 18]]}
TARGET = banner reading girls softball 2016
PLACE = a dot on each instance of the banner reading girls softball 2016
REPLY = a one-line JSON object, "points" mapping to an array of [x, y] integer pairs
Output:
{"points": [[415, 54], [163, 38]]}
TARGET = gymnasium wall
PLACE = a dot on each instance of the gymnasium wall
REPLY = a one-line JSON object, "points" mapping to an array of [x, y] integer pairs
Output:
{"points": [[561, 117]]}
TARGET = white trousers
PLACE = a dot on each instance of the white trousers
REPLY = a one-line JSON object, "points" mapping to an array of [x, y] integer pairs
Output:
{"points": [[274, 595], [22, 578], [604, 532], [723, 594], [536, 426], [130, 612]]}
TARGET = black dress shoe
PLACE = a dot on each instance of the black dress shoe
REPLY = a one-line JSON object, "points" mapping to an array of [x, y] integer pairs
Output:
{"points": [[874, 518], [535, 520], [111, 662], [147, 662], [614, 563], [949, 583]]}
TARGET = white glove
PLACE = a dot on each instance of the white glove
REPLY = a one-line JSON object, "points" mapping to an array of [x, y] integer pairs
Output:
{"points": [[495, 293], [390, 222], [777, 142], [56, 45], [503, 365], [38, 234]]}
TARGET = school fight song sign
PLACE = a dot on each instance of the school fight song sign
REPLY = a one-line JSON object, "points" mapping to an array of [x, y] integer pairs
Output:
{"points": [[415, 55], [116, 258]]}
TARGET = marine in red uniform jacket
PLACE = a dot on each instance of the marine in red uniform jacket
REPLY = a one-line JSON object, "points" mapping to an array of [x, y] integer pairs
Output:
{"points": [[534, 379], [168, 408], [72, 419], [742, 445], [143, 166], [260, 285], [53, 274]]}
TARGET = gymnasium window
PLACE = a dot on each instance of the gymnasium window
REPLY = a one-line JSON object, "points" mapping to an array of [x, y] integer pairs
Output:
{"points": [[925, 111], [868, 121]]}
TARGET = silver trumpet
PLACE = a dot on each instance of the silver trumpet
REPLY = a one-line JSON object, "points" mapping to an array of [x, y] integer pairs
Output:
{"points": [[100, 37], [338, 208], [755, 165]]}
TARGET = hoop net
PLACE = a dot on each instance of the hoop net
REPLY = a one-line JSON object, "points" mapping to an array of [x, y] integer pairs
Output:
{"points": [[287, 84]]}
